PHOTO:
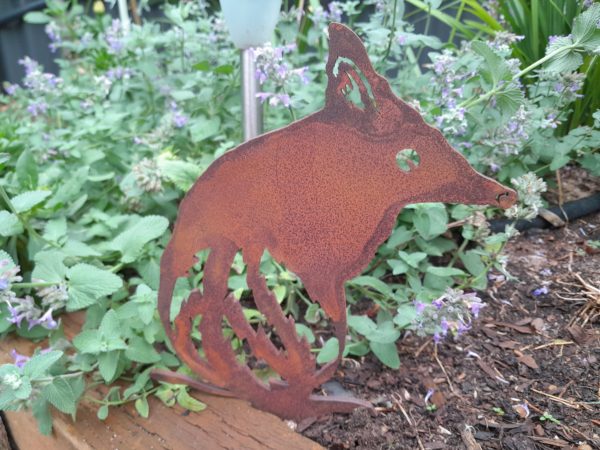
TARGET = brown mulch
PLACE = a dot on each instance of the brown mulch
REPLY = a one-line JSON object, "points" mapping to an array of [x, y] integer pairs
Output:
{"points": [[526, 377]]}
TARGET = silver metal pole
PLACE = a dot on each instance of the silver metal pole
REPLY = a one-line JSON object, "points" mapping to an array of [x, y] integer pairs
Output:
{"points": [[124, 15], [252, 118]]}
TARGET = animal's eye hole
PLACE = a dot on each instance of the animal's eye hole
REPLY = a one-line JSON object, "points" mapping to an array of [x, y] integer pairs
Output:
{"points": [[407, 159]]}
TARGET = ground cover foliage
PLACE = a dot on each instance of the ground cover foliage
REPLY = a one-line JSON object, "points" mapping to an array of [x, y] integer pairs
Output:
{"points": [[94, 161]]}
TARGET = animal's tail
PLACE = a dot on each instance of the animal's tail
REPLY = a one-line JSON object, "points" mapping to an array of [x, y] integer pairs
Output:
{"points": [[173, 266]]}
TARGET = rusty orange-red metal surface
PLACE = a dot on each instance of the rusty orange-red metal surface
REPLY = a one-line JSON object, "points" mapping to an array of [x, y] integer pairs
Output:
{"points": [[320, 195]]}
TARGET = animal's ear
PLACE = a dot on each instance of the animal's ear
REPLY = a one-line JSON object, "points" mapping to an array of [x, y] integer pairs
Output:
{"points": [[349, 71]]}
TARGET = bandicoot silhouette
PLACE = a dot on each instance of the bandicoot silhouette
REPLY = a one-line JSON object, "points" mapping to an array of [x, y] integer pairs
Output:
{"points": [[320, 195]]}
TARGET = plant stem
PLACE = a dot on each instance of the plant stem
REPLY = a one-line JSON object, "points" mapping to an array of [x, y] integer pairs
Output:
{"points": [[457, 17], [425, 32], [6, 199], [51, 379], [392, 32], [460, 250], [35, 285]]}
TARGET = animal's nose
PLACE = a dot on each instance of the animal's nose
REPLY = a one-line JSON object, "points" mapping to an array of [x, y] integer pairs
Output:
{"points": [[506, 198]]}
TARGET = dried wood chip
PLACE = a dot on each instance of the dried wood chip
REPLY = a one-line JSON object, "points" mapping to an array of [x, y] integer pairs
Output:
{"points": [[579, 335], [528, 361], [521, 411], [554, 442], [520, 328], [525, 321], [509, 344], [468, 439], [537, 324]]}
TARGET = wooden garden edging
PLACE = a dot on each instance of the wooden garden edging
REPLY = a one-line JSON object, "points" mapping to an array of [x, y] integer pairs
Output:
{"points": [[226, 423]]}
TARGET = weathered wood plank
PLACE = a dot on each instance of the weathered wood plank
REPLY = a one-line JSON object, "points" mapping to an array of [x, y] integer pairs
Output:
{"points": [[4, 444], [225, 424]]}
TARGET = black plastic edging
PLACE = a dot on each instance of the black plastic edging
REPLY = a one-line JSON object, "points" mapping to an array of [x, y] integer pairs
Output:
{"points": [[569, 211], [20, 12]]}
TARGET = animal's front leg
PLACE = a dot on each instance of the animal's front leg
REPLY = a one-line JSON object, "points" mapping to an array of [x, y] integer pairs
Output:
{"points": [[300, 362], [332, 299]]}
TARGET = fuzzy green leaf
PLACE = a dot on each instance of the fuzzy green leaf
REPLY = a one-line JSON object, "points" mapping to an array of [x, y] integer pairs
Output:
{"points": [[131, 242], [362, 324], [329, 352], [186, 401], [496, 68], [49, 266], [446, 271], [586, 29], [88, 283], [9, 224], [27, 200], [62, 395], [41, 411], [141, 351], [387, 353], [102, 412], [108, 363], [88, 341], [141, 406], [39, 364]]}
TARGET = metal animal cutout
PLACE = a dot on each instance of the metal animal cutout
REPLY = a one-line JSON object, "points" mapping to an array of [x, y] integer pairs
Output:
{"points": [[320, 195]]}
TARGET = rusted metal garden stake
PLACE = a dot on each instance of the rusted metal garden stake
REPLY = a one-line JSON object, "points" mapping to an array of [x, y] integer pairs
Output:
{"points": [[320, 195]]}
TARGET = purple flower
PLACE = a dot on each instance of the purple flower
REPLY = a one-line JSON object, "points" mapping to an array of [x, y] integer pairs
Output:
{"points": [[428, 395], [402, 39], [30, 65], [11, 89], [540, 291], [552, 39], [4, 284], [284, 99], [118, 73], [114, 36], [437, 338], [475, 307], [462, 328], [439, 302], [54, 35], [179, 120], [20, 360], [47, 321], [335, 12], [22, 309], [37, 108], [444, 325], [419, 306]]}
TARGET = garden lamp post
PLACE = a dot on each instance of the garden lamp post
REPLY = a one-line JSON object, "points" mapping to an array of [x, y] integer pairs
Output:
{"points": [[251, 23]]}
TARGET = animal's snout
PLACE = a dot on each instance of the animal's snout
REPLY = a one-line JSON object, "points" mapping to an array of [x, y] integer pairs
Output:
{"points": [[506, 198]]}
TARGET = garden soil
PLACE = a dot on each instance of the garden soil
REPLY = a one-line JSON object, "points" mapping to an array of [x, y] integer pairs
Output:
{"points": [[526, 377]]}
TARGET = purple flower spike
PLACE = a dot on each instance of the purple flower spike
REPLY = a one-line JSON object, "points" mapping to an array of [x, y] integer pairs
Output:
{"points": [[20, 360], [180, 120], [47, 321], [540, 291]]}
